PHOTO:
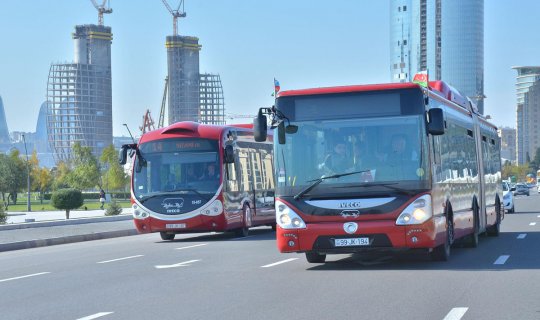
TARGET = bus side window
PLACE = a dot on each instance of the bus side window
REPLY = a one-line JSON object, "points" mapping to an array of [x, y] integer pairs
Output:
{"points": [[231, 180]]}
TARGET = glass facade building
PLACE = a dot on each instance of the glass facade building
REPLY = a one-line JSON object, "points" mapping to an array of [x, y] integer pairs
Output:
{"points": [[444, 37], [528, 112]]}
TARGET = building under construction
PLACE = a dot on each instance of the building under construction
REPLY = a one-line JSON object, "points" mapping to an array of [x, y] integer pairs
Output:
{"points": [[79, 98], [192, 96]]}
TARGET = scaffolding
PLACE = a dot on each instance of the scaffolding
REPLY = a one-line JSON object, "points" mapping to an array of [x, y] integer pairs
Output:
{"points": [[212, 103]]}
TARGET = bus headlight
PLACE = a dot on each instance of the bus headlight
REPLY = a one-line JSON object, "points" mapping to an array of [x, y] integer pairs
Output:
{"points": [[216, 208], [417, 212], [286, 218], [139, 213]]}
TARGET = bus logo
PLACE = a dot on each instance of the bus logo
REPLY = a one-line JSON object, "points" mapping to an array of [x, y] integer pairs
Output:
{"points": [[350, 213], [172, 203], [350, 204]]}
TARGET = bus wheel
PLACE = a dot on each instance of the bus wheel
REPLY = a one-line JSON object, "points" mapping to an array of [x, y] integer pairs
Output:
{"points": [[244, 231], [495, 229], [442, 252], [315, 257], [167, 236], [472, 239]]}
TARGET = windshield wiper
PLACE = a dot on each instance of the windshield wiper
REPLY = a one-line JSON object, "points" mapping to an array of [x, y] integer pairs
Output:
{"points": [[318, 181], [173, 192], [388, 185]]}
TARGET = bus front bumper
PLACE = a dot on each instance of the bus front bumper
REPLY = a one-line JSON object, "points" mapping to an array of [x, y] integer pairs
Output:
{"points": [[330, 237]]}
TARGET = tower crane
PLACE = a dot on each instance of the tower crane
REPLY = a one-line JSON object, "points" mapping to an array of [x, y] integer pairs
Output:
{"points": [[102, 9], [176, 14], [161, 122]]}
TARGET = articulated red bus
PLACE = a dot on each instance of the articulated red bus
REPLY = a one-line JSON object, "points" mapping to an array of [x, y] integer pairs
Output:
{"points": [[191, 177], [382, 167]]}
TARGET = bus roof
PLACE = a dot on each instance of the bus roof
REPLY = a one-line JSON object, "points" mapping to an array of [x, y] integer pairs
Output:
{"points": [[348, 89], [190, 129]]}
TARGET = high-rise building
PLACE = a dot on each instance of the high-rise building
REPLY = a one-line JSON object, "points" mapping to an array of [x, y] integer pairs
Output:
{"points": [[79, 94], [183, 72], [445, 37], [5, 141], [508, 143], [527, 112]]}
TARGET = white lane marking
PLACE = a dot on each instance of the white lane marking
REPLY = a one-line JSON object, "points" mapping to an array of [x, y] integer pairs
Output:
{"points": [[181, 264], [95, 316], [193, 246], [279, 262], [22, 277], [522, 236], [120, 259], [532, 223], [501, 260], [456, 314]]}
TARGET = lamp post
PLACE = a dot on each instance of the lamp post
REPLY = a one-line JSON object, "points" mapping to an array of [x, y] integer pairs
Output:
{"points": [[28, 205]]}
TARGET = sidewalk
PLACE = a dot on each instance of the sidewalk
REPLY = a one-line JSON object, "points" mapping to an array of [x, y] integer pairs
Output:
{"points": [[44, 228]]}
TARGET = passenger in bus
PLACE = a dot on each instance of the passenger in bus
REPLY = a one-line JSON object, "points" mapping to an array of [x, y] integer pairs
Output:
{"points": [[210, 174], [338, 161], [364, 161], [171, 183], [401, 162]]}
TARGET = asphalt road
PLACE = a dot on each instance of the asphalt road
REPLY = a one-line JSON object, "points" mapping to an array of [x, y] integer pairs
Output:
{"points": [[217, 276]]}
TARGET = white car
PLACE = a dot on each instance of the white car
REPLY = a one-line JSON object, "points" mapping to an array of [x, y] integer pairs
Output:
{"points": [[508, 198]]}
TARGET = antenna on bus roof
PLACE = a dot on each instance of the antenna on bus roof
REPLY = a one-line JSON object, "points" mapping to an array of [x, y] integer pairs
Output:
{"points": [[130, 133]]}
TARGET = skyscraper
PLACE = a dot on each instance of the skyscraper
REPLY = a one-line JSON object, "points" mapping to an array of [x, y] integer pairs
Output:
{"points": [[183, 72], [79, 97], [445, 37], [528, 112], [5, 141]]}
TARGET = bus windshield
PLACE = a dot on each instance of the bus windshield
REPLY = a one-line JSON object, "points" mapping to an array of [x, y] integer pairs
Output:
{"points": [[385, 153], [177, 166]]}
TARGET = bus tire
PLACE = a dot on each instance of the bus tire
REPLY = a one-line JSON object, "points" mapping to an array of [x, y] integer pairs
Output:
{"points": [[495, 229], [246, 222], [472, 239], [167, 236], [315, 257], [442, 252]]}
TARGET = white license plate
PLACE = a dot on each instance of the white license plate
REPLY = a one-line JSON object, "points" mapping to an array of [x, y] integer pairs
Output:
{"points": [[351, 242], [175, 226]]}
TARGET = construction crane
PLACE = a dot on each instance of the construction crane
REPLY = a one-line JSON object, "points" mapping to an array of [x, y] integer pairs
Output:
{"points": [[102, 9], [161, 122], [176, 14], [148, 123], [232, 116]]}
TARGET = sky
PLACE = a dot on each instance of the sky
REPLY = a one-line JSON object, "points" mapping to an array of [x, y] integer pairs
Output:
{"points": [[302, 43]]}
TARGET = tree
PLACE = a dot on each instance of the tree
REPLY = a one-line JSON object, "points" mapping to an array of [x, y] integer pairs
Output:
{"points": [[61, 176], [85, 172], [43, 182], [114, 177], [67, 199], [13, 175], [113, 209]]}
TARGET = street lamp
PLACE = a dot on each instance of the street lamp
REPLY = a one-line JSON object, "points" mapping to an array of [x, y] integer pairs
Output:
{"points": [[28, 205]]}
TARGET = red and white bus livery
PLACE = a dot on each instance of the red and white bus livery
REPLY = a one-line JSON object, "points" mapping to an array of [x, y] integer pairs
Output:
{"points": [[382, 167], [191, 177]]}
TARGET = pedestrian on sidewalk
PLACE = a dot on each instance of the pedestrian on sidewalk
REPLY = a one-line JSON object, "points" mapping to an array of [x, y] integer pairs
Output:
{"points": [[102, 198]]}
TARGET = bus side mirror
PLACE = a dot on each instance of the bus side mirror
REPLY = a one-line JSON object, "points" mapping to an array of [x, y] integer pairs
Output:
{"points": [[122, 156], [260, 127], [281, 132], [435, 121], [228, 154]]}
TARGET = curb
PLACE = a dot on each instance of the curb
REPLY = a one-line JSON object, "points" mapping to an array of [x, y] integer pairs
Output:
{"points": [[63, 240], [55, 223]]}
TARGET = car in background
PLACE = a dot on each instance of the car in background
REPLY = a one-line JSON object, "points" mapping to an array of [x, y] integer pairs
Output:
{"points": [[521, 189], [508, 198]]}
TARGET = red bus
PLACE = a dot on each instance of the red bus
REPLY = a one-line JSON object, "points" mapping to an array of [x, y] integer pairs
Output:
{"points": [[389, 167], [191, 177]]}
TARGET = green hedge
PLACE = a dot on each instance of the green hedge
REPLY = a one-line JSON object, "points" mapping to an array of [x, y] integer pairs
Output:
{"points": [[95, 195]]}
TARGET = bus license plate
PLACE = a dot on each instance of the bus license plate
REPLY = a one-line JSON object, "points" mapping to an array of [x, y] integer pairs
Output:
{"points": [[351, 242], [175, 226]]}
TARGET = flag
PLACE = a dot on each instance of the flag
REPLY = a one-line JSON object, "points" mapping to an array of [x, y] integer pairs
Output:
{"points": [[421, 78], [276, 86]]}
